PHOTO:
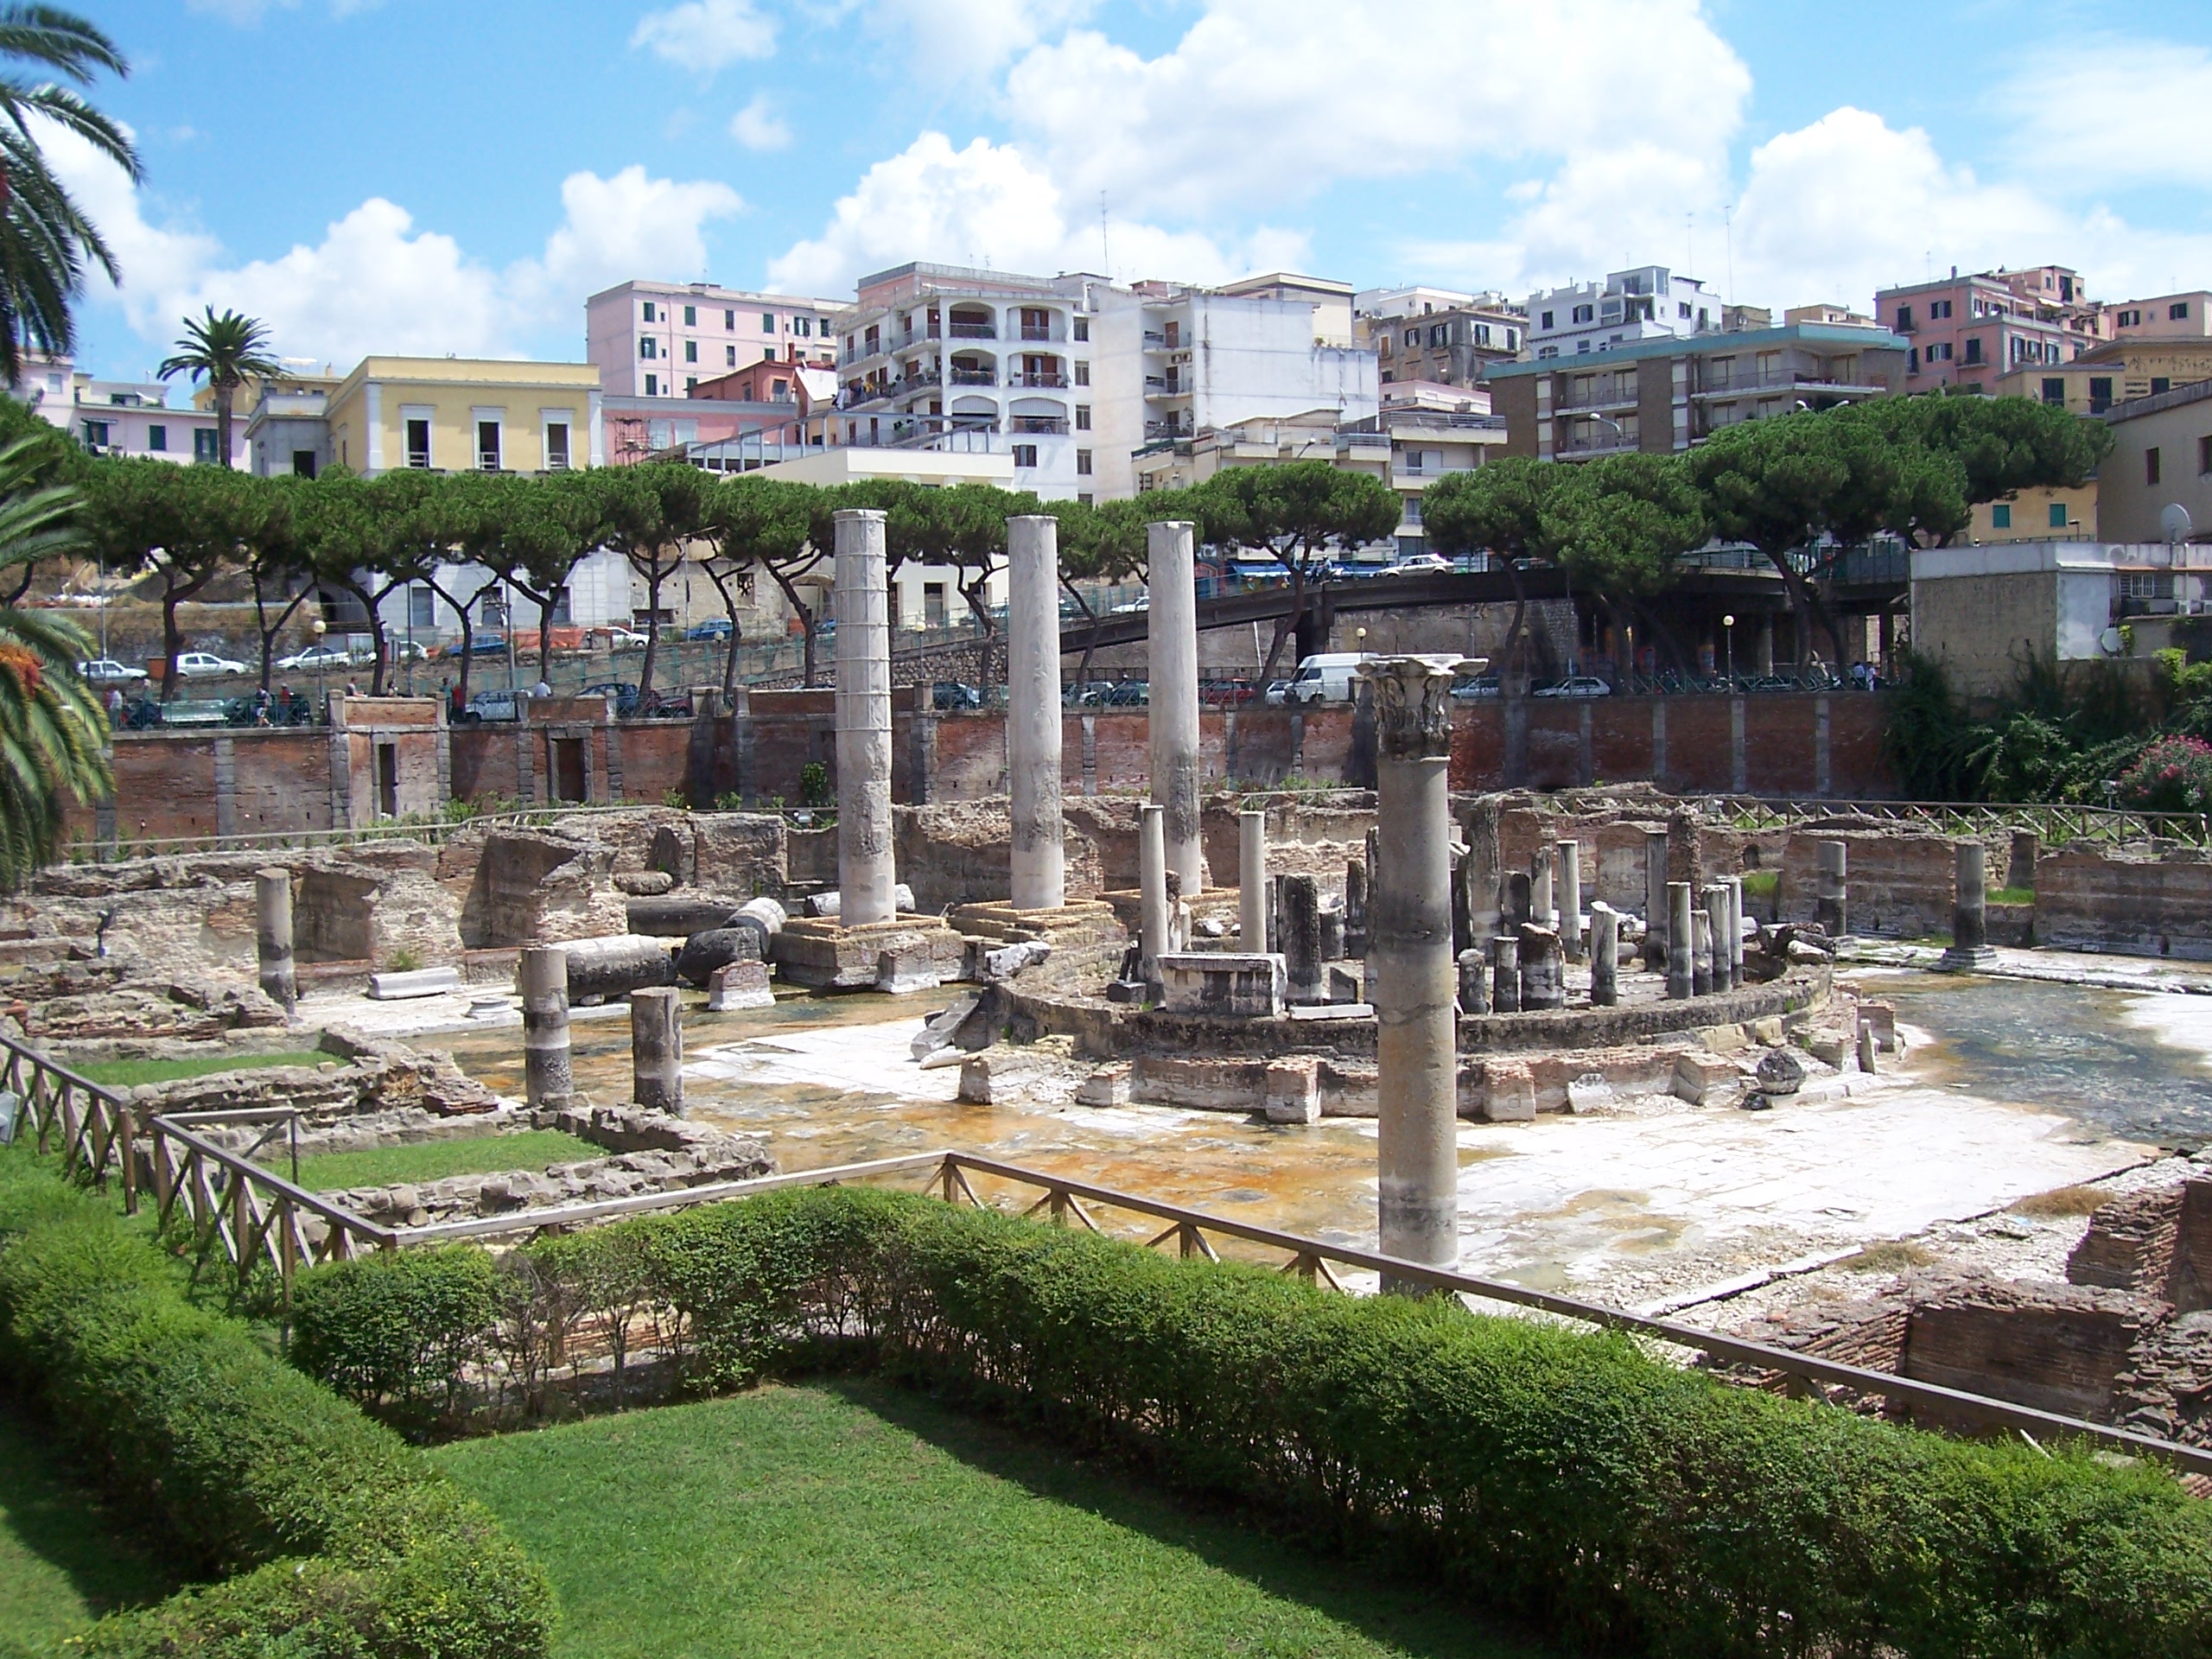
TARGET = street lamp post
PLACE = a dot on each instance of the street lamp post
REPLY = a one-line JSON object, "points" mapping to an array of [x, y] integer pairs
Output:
{"points": [[1728, 634], [321, 693]]}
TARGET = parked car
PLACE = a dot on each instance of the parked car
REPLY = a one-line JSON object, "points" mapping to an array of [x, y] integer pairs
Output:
{"points": [[1324, 678], [1229, 694], [1477, 687], [621, 638], [487, 644], [713, 628], [316, 657], [202, 664], [493, 705], [403, 651], [951, 693], [667, 705], [1420, 564], [1141, 602], [1129, 694], [1578, 685], [1277, 695], [625, 696], [106, 671]]}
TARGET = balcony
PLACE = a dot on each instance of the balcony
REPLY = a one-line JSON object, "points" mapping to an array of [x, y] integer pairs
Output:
{"points": [[1606, 396], [1041, 331], [1155, 342], [1610, 444], [973, 331], [974, 377], [1048, 381], [488, 461], [1050, 425]]}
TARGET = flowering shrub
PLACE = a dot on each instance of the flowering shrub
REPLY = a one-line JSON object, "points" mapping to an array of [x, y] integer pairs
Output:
{"points": [[2173, 774]]}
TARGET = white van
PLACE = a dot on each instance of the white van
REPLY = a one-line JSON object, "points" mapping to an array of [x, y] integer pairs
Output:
{"points": [[1325, 679]]}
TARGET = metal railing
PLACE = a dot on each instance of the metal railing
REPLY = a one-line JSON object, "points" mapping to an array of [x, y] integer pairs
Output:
{"points": [[220, 1200], [2057, 825]]}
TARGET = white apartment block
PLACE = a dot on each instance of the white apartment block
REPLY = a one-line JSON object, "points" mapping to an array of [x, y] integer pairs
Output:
{"points": [[1072, 375], [1650, 302], [659, 340]]}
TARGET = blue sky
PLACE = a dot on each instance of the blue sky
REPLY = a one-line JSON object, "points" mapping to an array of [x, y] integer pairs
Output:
{"points": [[400, 175]]}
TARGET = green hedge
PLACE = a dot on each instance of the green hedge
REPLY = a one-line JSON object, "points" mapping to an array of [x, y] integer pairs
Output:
{"points": [[330, 1536], [1625, 1504]]}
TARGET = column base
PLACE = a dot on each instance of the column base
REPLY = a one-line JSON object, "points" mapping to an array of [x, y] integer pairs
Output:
{"points": [[1967, 959], [1080, 921], [822, 954]]}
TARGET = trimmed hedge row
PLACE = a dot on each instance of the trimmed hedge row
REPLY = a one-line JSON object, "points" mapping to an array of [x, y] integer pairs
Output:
{"points": [[330, 1536], [1625, 1504]]}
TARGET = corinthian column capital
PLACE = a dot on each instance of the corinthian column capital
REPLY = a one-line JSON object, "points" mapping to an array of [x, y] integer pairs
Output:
{"points": [[1412, 707]]}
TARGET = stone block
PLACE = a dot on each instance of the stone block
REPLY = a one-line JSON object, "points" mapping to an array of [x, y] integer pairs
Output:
{"points": [[938, 1030], [904, 966], [827, 905], [1703, 1078], [413, 982], [715, 947], [1008, 960], [825, 956], [740, 985], [1344, 985], [1508, 1092], [1231, 984], [976, 1080], [1881, 1019], [1292, 1091], [1781, 1072], [1590, 1093], [1108, 1086]]}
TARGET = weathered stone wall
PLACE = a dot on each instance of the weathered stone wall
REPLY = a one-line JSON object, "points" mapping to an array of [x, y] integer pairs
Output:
{"points": [[527, 887], [1896, 883], [2060, 1348], [2141, 902], [2156, 1244]]}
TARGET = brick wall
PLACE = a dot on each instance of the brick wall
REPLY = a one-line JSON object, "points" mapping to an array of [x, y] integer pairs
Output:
{"points": [[2152, 907], [2057, 1348], [1895, 884]]}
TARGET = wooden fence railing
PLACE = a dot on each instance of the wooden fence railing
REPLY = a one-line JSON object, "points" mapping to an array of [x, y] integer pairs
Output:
{"points": [[252, 1217], [2057, 825]]}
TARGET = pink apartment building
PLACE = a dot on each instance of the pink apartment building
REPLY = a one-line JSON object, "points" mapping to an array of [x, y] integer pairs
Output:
{"points": [[659, 340], [1967, 331]]}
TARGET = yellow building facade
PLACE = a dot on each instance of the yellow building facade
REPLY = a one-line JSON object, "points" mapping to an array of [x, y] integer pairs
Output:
{"points": [[465, 415]]}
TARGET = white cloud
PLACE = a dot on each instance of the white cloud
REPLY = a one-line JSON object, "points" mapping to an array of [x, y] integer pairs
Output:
{"points": [[2102, 113], [757, 126], [990, 205], [708, 35], [376, 282], [965, 40]]}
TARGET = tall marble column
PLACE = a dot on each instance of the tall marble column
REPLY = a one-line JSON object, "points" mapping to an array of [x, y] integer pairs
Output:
{"points": [[1570, 898], [547, 1073], [1409, 949], [1172, 623], [1152, 893], [1655, 900], [866, 876], [1682, 967], [656, 1050], [1033, 712], [1252, 883], [272, 935], [1969, 914]]}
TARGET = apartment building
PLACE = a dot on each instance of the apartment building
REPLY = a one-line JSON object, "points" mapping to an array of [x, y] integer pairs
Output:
{"points": [[659, 340], [2119, 371], [1969, 331], [2161, 457], [2163, 316], [1661, 396], [465, 415], [1072, 374], [119, 417], [1433, 336], [1331, 301], [1630, 306], [1840, 316]]}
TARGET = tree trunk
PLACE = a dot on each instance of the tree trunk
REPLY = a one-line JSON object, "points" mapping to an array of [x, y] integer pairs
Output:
{"points": [[729, 609], [802, 610], [1807, 607], [1286, 625], [1506, 674], [654, 576], [268, 631], [169, 643], [223, 393], [1090, 639]]}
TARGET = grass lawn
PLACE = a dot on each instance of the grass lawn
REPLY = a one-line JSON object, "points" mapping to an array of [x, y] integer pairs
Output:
{"points": [[856, 1519], [61, 1566], [128, 1074], [433, 1160]]}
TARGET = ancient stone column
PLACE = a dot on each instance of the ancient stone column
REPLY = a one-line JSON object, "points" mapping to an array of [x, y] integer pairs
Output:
{"points": [[1540, 887], [547, 1076], [1152, 893], [1172, 622], [1735, 933], [1570, 898], [657, 1048], [1519, 903], [1301, 927], [866, 876], [272, 935], [1410, 948], [1605, 957], [1355, 907], [1700, 952], [1655, 900], [1716, 912], [1252, 881], [1033, 711], [1681, 971], [2020, 868], [1479, 872], [1505, 974], [1969, 916], [1828, 906], [1543, 969], [1474, 980]]}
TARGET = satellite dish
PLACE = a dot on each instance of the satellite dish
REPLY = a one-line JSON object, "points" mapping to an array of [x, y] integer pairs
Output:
{"points": [[2110, 642], [2174, 522]]}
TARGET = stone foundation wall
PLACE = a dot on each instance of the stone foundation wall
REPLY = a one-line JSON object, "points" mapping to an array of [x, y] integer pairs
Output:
{"points": [[2140, 902], [2155, 1243], [1897, 884], [2060, 1348]]}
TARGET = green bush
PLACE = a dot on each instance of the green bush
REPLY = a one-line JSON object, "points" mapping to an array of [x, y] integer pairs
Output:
{"points": [[2172, 774], [340, 1540], [1628, 1504]]}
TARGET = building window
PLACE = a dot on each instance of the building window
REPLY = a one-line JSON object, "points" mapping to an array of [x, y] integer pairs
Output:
{"points": [[691, 316], [487, 446], [556, 447], [1083, 374], [2100, 395], [1083, 463], [1083, 328], [421, 606], [647, 351], [1413, 337], [1083, 417], [767, 322], [2000, 517], [2178, 312], [1513, 340], [1973, 349], [1585, 313], [2057, 516], [1482, 333], [1939, 308], [729, 357], [803, 327], [1025, 455], [1682, 310], [1912, 360], [1083, 498], [2150, 465], [1546, 322], [1436, 334], [2160, 382], [418, 443], [690, 384], [653, 385], [157, 439], [2054, 393], [96, 435], [302, 463], [647, 314]]}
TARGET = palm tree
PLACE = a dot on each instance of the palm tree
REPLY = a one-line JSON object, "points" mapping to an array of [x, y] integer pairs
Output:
{"points": [[51, 730], [226, 349], [45, 238]]}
